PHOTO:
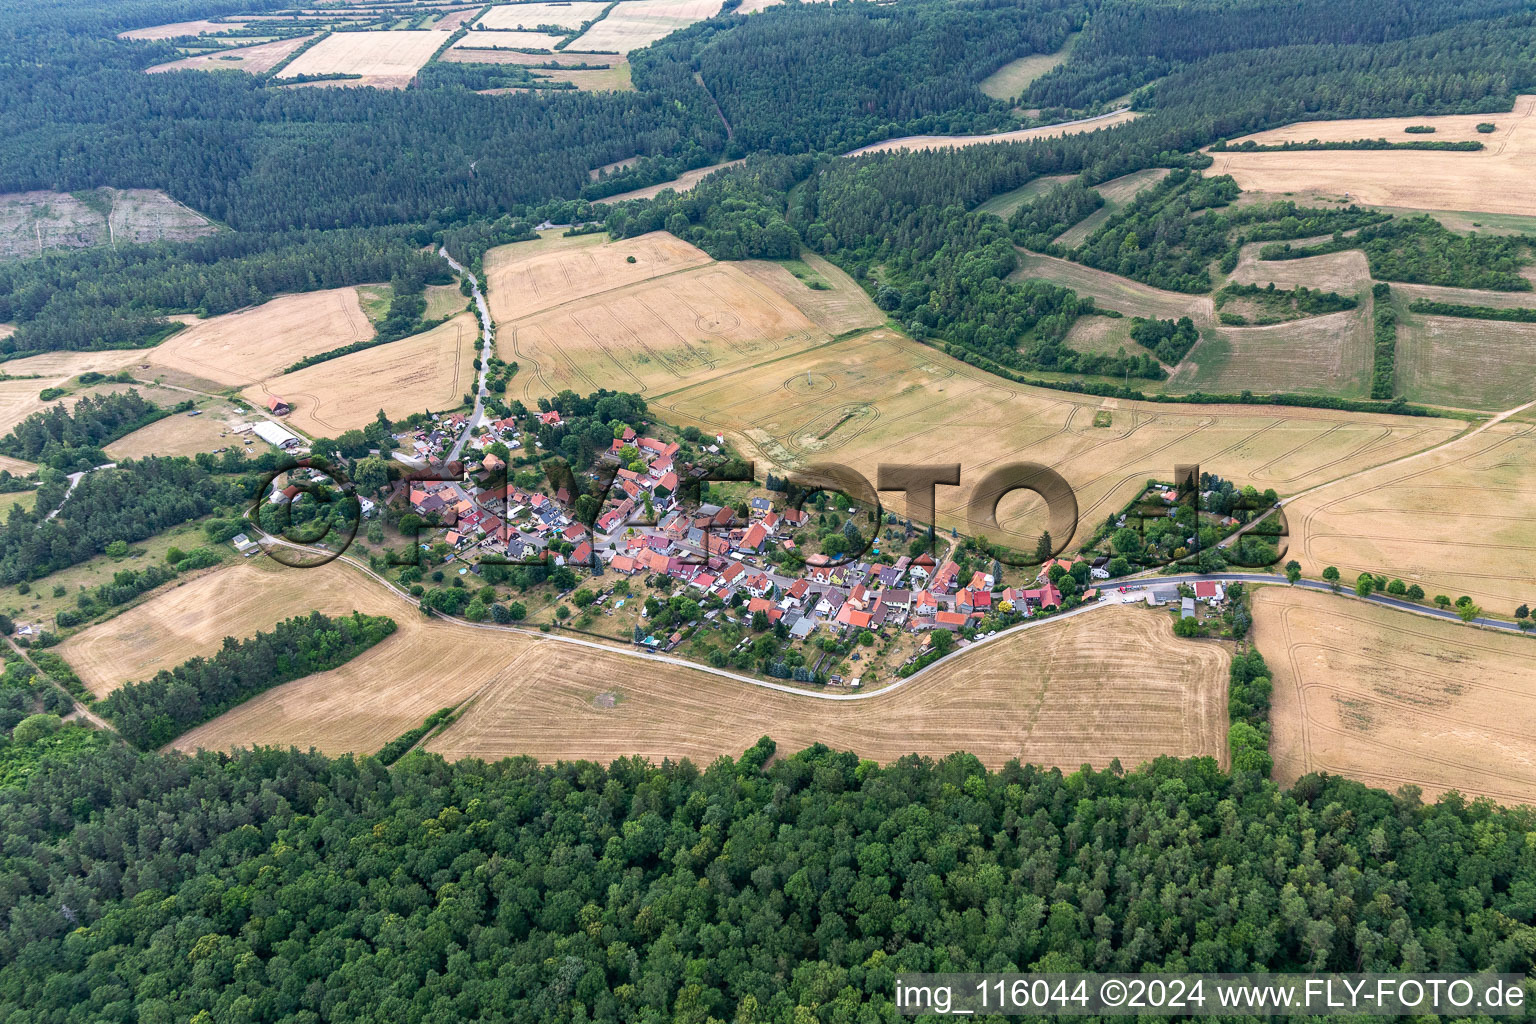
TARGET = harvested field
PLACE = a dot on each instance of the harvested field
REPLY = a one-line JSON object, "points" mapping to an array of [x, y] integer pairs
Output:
{"points": [[1460, 520], [432, 371], [357, 707], [476, 41], [1100, 335], [531, 16], [385, 59], [890, 399], [1495, 180], [514, 57], [1466, 363], [1050, 131], [1009, 81], [33, 222], [1343, 272], [526, 277], [656, 334], [1090, 689], [1393, 699], [254, 344], [1117, 192], [682, 183], [842, 306], [180, 29], [1462, 296], [1111, 291], [1330, 355], [614, 79], [443, 300], [639, 23], [256, 60], [65, 365], [454, 21]]}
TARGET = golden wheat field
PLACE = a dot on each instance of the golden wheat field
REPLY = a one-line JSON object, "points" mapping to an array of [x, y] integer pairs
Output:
{"points": [[1329, 354], [879, 397], [1465, 363], [256, 60], [1459, 520], [478, 42], [428, 371], [1394, 699], [528, 277], [1495, 180], [1110, 684], [531, 16], [241, 348], [386, 60]]}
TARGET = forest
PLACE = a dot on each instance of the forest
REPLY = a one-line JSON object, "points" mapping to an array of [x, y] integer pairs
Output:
{"points": [[269, 885], [72, 439], [1421, 250], [156, 711]]}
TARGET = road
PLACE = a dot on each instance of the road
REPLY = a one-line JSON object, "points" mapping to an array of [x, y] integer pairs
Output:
{"points": [[488, 336], [80, 709], [74, 481]]}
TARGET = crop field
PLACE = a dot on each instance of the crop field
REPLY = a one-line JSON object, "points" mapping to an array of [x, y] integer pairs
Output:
{"points": [[1010, 80], [1050, 131], [256, 60], [384, 59], [507, 40], [1459, 520], [653, 335], [1395, 699], [454, 20], [1329, 355], [1462, 296], [443, 300], [839, 307], [638, 23], [1100, 335], [1494, 180], [612, 79], [177, 30], [531, 16], [1116, 192], [1343, 272], [1466, 363], [254, 344], [32, 222], [1111, 291], [516, 57], [528, 277], [431, 370], [879, 397], [1112, 684], [680, 184]]}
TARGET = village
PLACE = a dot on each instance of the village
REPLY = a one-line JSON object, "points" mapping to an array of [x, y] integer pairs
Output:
{"points": [[736, 577]]}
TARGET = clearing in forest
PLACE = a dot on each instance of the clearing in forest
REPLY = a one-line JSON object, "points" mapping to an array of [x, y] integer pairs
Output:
{"points": [[386, 60], [241, 348], [1009, 81], [878, 397], [428, 371], [1326, 355], [1117, 192], [682, 183], [585, 317], [1391, 699], [531, 16], [1464, 362], [1344, 272], [1050, 131], [1111, 291], [180, 434], [638, 23], [1496, 179], [256, 60], [1459, 520], [1110, 684], [180, 29], [34, 222]]}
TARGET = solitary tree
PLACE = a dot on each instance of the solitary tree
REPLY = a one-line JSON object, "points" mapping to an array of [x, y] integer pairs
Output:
{"points": [[1468, 611]]}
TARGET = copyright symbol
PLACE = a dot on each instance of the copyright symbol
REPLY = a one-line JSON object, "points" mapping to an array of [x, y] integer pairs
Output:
{"points": [[1112, 993]]}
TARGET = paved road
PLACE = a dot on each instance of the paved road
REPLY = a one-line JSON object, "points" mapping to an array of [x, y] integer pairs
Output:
{"points": [[1386, 600], [488, 336]]}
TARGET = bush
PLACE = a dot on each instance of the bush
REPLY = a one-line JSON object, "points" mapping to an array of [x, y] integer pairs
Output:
{"points": [[1486, 127], [35, 727]]}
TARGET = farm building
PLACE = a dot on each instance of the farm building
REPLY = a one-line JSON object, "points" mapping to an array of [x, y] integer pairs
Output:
{"points": [[276, 406], [274, 434]]}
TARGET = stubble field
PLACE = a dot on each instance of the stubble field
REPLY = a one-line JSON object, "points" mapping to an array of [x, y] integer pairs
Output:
{"points": [[386, 60], [1329, 355], [1393, 699], [256, 60], [1465, 363], [1495, 180], [1459, 520], [241, 348], [531, 16], [638, 23], [1110, 684], [879, 397], [428, 371], [1021, 135]]}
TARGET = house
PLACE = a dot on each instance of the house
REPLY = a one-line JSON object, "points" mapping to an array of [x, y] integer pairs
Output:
{"points": [[923, 604], [277, 407], [284, 496], [549, 419], [1209, 591], [951, 620], [980, 581], [1187, 608], [760, 507], [1162, 595], [244, 545], [753, 539], [850, 617], [624, 564], [801, 627], [797, 591], [944, 579]]}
